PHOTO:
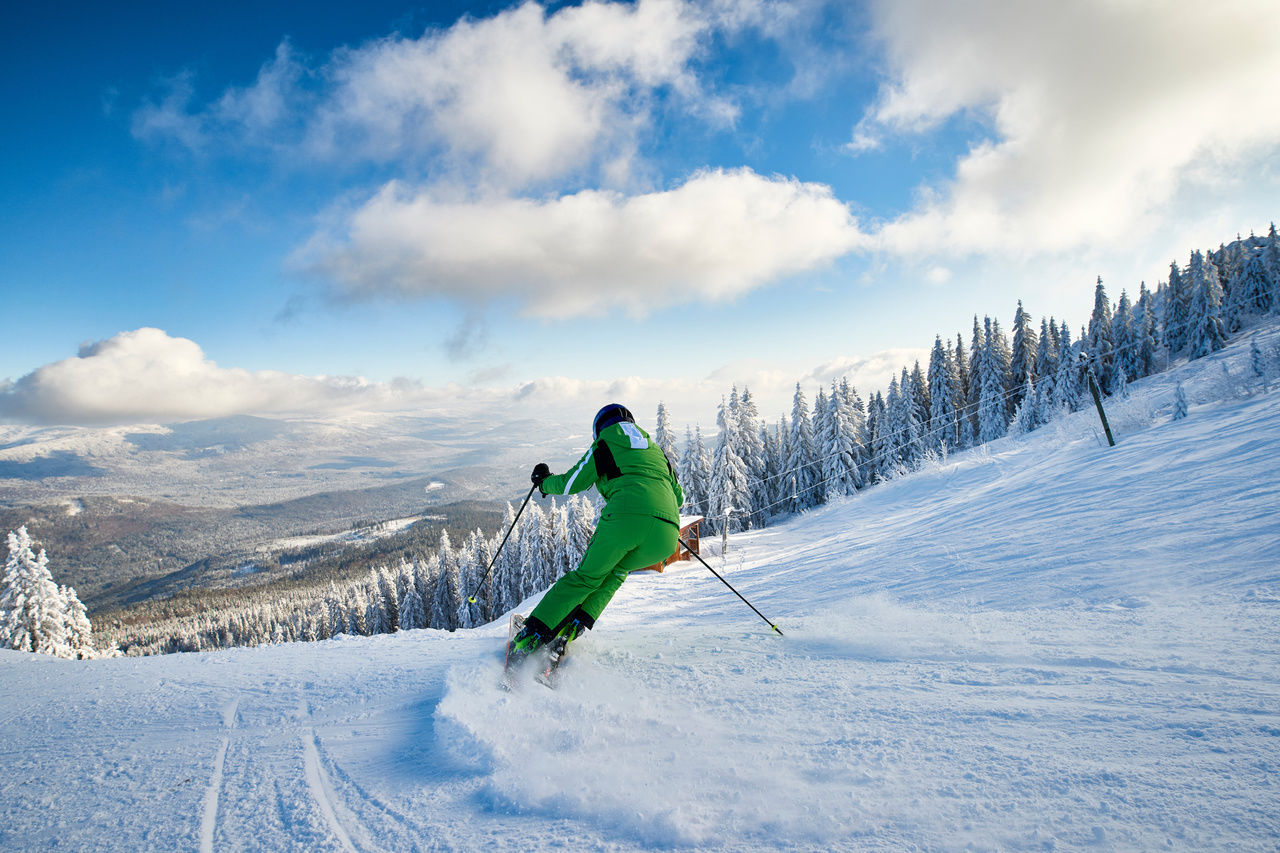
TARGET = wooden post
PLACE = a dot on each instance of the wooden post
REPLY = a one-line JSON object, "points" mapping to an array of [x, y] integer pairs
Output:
{"points": [[1097, 401]]}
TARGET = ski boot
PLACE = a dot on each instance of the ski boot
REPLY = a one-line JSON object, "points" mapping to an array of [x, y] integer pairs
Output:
{"points": [[527, 636], [557, 648]]}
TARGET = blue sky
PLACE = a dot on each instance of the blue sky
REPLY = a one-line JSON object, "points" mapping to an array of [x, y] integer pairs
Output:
{"points": [[684, 194]]}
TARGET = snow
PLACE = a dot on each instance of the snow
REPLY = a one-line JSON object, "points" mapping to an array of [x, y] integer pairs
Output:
{"points": [[1043, 644]]}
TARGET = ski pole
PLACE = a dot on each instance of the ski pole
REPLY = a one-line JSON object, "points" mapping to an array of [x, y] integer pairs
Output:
{"points": [[726, 583], [472, 598]]}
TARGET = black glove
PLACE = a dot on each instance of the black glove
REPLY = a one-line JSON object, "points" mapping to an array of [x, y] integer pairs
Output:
{"points": [[540, 473]]}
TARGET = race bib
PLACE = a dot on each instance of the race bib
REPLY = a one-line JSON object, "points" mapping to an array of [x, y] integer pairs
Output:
{"points": [[638, 441]]}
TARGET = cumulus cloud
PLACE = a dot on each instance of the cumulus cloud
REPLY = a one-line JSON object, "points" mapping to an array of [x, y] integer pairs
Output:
{"points": [[516, 98], [1100, 112], [147, 376], [716, 236]]}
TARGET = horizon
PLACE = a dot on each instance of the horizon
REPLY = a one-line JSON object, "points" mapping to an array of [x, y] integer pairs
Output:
{"points": [[270, 211]]}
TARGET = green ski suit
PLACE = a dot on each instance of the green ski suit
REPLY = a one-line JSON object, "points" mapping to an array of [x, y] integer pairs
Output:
{"points": [[639, 525]]}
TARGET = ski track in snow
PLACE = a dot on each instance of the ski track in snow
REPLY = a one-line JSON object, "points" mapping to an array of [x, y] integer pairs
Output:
{"points": [[318, 782], [209, 823], [1044, 644]]}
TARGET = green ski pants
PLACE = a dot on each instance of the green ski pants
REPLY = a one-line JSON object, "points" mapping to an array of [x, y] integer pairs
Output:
{"points": [[621, 544]]}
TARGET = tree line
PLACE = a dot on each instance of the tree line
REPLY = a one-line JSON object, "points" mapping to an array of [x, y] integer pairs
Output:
{"points": [[969, 394], [428, 590]]}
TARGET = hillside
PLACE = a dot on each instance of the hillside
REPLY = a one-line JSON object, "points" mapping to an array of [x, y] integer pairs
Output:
{"points": [[1043, 643], [133, 514]]}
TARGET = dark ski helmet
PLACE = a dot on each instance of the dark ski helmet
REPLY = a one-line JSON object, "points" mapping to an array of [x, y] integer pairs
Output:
{"points": [[610, 415]]}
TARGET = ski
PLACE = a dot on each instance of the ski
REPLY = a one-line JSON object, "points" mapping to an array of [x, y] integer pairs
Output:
{"points": [[508, 671]]}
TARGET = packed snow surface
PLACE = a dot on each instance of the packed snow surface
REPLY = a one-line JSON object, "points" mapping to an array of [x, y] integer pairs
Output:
{"points": [[1043, 644]]}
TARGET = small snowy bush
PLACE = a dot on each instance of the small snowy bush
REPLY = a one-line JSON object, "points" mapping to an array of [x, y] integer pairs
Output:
{"points": [[1179, 403]]}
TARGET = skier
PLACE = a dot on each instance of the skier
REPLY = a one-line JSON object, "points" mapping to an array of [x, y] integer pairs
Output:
{"points": [[639, 526]]}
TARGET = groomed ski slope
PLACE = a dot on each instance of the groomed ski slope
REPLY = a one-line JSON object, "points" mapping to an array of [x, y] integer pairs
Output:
{"points": [[1043, 644]]}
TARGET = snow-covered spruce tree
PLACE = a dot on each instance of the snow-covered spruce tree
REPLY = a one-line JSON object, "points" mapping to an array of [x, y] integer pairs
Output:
{"points": [[801, 472], [1002, 357], [357, 605], [694, 472], [920, 396], [768, 472], [535, 550], [79, 628], [1046, 362], [1046, 350], [993, 420], [1025, 417], [336, 613], [874, 470], [1046, 409], [730, 489], [1145, 331], [478, 551], [386, 578], [1099, 342], [1066, 384], [1250, 293], [1125, 339], [447, 602], [1022, 361], [964, 426], [819, 424], [858, 421], [412, 609], [1177, 310], [910, 428], [33, 612], [376, 618], [1208, 331], [663, 437], [941, 426], [888, 448], [977, 351], [839, 447], [751, 449], [1271, 263]]}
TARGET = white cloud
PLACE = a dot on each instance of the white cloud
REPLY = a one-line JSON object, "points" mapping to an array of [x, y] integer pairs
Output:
{"points": [[147, 376], [510, 100], [169, 119], [1102, 112], [718, 235]]}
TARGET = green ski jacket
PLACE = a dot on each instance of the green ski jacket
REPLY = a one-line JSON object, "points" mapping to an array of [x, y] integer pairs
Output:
{"points": [[631, 473]]}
